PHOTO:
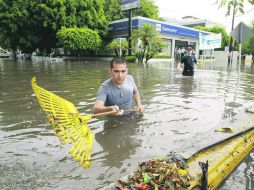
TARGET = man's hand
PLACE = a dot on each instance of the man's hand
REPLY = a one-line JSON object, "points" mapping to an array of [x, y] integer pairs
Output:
{"points": [[179, 66], [117, 110], [140, 108]]}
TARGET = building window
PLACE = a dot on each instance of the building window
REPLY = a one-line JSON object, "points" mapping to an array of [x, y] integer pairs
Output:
{"points": [[167, 49]]}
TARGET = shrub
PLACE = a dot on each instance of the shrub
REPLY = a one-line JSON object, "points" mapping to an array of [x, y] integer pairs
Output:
{"points": [[130, 58]]}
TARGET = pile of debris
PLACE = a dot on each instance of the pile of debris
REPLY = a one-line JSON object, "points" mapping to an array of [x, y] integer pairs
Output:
{"points": [[157, 174]]}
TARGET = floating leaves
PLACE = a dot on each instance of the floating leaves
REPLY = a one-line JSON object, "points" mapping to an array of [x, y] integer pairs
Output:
{"points": [[157, 174]]}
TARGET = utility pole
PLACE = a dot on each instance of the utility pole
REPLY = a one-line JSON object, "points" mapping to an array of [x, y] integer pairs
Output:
{"points": [[129, 5], [130, 31], [231, 39]]}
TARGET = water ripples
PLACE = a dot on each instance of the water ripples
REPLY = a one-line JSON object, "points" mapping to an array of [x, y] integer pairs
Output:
{"points": [[178, 110]]}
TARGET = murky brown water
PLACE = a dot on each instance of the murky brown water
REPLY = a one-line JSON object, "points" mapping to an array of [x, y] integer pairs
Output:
{"points": [[177, 111]]}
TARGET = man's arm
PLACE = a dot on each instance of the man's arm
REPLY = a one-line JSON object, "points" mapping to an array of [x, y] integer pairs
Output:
{"points": [[180, 64], [140, 108], [99, 107], [99, 104], [196, 61]]}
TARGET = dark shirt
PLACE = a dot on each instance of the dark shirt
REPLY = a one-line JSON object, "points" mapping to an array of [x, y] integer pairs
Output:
{"points": [[188, 62]]}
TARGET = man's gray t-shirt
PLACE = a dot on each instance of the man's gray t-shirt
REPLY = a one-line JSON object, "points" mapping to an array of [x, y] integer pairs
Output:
{"points": [[121, 96]]}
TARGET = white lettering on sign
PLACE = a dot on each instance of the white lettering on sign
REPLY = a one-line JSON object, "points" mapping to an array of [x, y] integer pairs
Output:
{"points": [[168, 29]]}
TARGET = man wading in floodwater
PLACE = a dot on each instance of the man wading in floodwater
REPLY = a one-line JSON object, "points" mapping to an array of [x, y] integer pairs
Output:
{"points": [[188, 61], [116, 93]]}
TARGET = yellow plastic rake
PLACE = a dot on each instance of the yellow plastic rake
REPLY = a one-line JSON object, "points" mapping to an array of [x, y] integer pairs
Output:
{"points": [[68, 124]]}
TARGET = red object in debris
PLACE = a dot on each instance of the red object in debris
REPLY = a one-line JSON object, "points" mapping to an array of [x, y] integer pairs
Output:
{"points": [[142, 186]]}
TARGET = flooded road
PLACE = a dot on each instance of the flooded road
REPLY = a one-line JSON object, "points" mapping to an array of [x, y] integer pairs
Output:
{"points": [[178, 110]]}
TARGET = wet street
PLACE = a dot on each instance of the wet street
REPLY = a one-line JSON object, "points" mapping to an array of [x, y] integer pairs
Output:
{"points": [[179, 112]]}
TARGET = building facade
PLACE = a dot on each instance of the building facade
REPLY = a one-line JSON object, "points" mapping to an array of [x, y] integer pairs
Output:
{"points": [[175, 36]]}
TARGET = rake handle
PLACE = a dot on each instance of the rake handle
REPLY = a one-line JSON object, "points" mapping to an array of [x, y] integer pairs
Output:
{"points": [[112, 112]]}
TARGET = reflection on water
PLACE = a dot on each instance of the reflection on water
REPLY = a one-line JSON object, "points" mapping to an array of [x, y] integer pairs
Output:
{"points": [[118, 135], [187, 86], [178, 112]]}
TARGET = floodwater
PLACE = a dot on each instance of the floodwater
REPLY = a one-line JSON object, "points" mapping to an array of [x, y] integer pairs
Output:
{"points": [[178, 111]]}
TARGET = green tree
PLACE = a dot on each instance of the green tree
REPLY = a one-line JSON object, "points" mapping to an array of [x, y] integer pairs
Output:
{"points": [[79, 39], [119, 47], [113, 10], [148, 9], [31, 24], [217, 30], [13, 25], [146, 42]]}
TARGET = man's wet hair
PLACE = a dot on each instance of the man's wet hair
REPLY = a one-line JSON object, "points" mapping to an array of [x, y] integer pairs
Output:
{"points": [[118, 60]]}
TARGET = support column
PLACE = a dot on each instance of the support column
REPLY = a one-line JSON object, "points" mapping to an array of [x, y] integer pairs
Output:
{"points": [[173, 48]]}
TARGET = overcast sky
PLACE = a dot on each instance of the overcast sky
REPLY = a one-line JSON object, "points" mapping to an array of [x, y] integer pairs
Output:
{"points": [[204, 9]]}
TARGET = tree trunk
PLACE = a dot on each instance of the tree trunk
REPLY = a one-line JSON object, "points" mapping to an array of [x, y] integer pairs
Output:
{"points": [[14, 53], [143, 53], [148, 58]]}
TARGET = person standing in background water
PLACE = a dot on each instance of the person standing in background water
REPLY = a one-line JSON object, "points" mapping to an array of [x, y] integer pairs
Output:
{"points": [[188, 63], [178, 54], [182, 52]]}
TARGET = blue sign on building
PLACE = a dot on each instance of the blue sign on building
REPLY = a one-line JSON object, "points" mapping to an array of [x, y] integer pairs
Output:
{"points": [[122, 26], [175, 30]]}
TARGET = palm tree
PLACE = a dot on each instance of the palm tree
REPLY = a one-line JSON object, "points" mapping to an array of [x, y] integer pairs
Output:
{"points": [[236, 5], [146, 42], [119, 47]]}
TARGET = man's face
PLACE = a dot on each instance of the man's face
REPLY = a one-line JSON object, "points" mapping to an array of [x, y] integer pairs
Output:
{"points": [[189, 51], [118, 73]]}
